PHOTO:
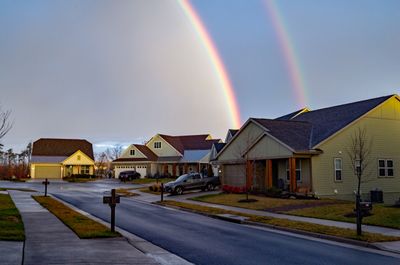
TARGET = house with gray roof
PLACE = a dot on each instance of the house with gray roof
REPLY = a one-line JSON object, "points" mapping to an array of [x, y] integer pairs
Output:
{"points": [[307, 151]]}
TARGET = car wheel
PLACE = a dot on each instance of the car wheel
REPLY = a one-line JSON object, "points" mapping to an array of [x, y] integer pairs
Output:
{"points": [[210, 187], [179, 190]]}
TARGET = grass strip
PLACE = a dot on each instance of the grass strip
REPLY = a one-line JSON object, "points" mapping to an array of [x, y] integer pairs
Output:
{"points": [[146, 190], [335, 210], [297, 225], [149, 180], [11, 225], [126, 192], [19, 189], [83, 226]]}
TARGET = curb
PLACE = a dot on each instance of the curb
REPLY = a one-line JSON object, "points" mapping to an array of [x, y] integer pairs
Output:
{"points": [[287, 229], [159, 254]]}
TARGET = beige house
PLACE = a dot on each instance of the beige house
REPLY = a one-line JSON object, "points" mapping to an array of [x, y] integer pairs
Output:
{"points": [[307, 151], [167, 155], [58, 158]]}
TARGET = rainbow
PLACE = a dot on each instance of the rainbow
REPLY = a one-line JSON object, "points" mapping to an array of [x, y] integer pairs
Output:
{"points": [[216, 61], [288, 52]]}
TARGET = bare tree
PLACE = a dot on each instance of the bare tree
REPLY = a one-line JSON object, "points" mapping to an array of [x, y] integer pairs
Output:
{"points": [[358, 152], [101, 162], [5, 123], [114, 152]]}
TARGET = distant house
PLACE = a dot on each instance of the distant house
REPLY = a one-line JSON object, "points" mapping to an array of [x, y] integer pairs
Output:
{"points": [[307, 150], [167, 155], [58, 158]]}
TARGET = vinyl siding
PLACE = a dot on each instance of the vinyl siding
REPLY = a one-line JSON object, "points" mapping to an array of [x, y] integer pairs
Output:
{"points": [[165, 150], [383, 127], [241, 143], [268, 148]]}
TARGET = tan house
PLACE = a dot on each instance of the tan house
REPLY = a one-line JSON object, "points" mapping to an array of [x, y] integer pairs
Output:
{"points": [[307, 151], [58, 158], [167, 155]]}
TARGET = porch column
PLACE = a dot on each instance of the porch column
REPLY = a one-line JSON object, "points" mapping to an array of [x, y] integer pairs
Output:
{"points": [[174, 170], [292, 174], [269, 173], [185, 169], [165, 169], [198, 167], [249, 174]]}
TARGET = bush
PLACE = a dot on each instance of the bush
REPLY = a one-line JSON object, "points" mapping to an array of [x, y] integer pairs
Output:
{"points": [[83, 176], [155, 187], [273, 192], [233, 189]]}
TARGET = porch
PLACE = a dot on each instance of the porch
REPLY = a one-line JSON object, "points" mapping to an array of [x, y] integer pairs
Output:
{"points": [[68, 170], [287, 174], [177, 169]]}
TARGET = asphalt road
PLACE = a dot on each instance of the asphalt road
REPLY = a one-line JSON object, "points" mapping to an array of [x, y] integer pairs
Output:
{"points": [[204, 240]]}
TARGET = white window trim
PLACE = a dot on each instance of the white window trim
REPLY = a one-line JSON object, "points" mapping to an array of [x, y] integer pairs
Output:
{"points": [[297, 169], [132, 152], [338, 169], [385, 167]]}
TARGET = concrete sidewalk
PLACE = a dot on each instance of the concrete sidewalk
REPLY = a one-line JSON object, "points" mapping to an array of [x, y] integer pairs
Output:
{"points": [[390, 246], [49, 241]]}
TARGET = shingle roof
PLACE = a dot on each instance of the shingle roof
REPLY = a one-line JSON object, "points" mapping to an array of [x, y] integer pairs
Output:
{"points": [[130, 159], [61, 147], [291, 115], [233, 131], [328, 121], [147, 152], [189, 142], [219, 146], [292, 133]]}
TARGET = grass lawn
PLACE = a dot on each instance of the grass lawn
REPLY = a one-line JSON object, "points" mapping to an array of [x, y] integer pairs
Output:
{"points": [[262, 203], [381, 215], [79, 180], [315, 228], [150, 191], [11, 225], [331, 209], [150, 181], [83, 226], [126, 192], [19, 189]]}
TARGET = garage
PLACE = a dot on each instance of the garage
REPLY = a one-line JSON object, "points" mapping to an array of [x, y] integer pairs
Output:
{"points": [[235, 175], [50, 172], [142, 170]]}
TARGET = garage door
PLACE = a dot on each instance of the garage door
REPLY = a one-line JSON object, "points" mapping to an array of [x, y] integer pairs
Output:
{"points": [[142, 170], [235, 175], [42, 172]]}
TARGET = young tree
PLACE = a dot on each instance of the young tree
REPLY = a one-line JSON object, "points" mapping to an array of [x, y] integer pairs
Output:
{"points": [[5, 123], [358, 152]]}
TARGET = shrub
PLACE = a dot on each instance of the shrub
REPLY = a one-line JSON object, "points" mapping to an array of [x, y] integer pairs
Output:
{"points": [[273, 192]]}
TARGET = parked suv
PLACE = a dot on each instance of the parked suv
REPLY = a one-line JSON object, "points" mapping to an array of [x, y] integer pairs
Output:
{"points": [[128, 175]]}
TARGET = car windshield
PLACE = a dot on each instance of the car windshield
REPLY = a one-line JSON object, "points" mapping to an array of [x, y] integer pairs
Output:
{"points": [[181, 178]]}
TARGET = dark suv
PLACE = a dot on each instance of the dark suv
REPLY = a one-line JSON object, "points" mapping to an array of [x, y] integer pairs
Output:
{"points": [[128, 175]]}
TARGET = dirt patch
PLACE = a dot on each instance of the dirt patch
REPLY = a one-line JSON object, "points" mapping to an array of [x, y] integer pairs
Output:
{"points": [[287, 208]]}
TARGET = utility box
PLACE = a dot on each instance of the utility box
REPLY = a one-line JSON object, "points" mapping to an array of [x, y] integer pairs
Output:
{"points": [[376, 196]]}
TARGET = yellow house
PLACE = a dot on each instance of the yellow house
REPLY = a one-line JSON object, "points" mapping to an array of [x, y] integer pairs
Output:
{"points": [[58, 158], [307, 151]]}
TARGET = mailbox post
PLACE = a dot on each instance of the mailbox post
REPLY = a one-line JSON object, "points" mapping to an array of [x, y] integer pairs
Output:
{"points": [[112, 202], [45, 182], [162, 192]]}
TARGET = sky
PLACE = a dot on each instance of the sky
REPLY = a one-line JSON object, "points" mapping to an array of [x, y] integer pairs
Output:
{"points": [[121, 71]]}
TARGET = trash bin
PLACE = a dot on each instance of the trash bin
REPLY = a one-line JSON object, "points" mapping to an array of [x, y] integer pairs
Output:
{"points": [[376, 196]]}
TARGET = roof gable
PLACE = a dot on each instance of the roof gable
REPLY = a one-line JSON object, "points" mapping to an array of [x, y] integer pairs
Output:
{"points": [[190, 142], [61, 147], [327, 121]]}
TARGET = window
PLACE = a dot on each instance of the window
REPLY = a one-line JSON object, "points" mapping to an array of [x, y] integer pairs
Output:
{"points": [[157, 145], [78, 157], [298, 170], [85, 170], [132, 152], [338, 169], [385, 168]]}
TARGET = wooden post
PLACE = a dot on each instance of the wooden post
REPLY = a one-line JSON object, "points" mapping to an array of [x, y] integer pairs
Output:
{"points": [[174, 170], [185, 169], [269, 173], [112, 205], [292, 174], [162, 192]]}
